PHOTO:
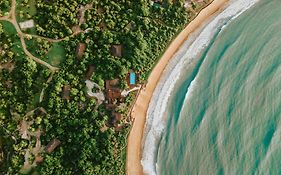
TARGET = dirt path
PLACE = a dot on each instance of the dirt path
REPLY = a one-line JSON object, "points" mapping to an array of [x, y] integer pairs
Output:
{"points": [[134, 146], [12, 19], [51, 39]]}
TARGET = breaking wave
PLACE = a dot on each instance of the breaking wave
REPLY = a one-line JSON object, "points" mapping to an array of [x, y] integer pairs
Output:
{"points": [[190, 50]]}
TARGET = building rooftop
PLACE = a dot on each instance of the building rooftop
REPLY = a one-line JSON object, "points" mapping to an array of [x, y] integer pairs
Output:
{"points": [[80, 49], [27, 24], [52, 145], [116, 50], [66, 92], [109, 84]]}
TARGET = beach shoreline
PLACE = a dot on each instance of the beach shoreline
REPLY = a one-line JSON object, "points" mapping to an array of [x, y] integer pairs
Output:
{"points": [[139, 112]]}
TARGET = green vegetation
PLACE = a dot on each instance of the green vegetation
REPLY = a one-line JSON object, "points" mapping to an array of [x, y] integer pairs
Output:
{"points": [[4, 7], [56, 54], [38, 105], [26, 9]]}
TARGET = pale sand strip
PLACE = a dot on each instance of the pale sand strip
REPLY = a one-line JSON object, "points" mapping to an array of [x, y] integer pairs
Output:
{"points": [[134, 146]]}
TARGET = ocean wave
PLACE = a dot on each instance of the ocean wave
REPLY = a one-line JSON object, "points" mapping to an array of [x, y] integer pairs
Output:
{"points": [[155, 124]]}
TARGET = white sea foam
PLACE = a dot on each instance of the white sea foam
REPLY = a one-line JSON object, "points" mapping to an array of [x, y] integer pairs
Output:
{"points": [[191, 48]]}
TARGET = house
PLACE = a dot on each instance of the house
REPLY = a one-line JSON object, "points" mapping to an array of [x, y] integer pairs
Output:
{"points": [[116, 50], [113, 92], [109, 84], [52, 145], [27, 24], [90, 71], [66, 92], [80, 49]]}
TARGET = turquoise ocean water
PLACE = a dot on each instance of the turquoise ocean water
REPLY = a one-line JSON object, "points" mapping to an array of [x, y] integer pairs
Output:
{"points": [[223, 116]]}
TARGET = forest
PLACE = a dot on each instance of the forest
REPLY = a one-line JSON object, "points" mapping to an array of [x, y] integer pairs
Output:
{"points": [[48, 123]]}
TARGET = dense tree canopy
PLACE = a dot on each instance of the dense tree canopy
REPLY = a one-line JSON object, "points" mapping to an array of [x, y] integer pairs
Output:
{"points": [[33, 110]]}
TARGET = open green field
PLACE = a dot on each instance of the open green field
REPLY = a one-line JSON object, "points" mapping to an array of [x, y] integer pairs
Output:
{"points": [[12, 33], [9, 28], [56, 54]]}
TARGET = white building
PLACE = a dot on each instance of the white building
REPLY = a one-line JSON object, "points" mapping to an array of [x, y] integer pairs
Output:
{"points": [[27, 24]]}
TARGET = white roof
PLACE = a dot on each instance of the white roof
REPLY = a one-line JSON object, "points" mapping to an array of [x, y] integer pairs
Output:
{"points": [[27, 24]]}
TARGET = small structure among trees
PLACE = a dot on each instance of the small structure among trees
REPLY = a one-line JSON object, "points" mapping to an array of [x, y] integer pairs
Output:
{"points": [[27, 24], [52, 145], [90, 71], [113, 92], [66, 92], [81, 47], [116, 50]]}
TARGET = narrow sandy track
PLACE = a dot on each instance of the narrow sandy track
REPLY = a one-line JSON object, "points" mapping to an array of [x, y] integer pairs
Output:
{"points": [[134, 146]]}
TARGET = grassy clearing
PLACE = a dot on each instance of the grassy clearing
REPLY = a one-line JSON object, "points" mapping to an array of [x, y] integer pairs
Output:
{"points": [[56, 55], [11, 32], [9, 28]]}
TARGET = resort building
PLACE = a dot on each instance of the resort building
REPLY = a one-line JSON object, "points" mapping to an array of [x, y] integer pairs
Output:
{"points": [[66, 92], [81, 47], [116, 50], [27, 24], [113, 92], [52, 145]]}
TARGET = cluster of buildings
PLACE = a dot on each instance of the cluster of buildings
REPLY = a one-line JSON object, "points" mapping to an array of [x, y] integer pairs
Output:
{"points": [[112, 92]]}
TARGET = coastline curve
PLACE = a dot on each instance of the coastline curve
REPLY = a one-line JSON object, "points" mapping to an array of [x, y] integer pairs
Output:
{"points": [[156, 111], [139, 112]]}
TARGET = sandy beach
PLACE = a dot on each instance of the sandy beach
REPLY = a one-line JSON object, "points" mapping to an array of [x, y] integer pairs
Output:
{"points": [[134, 147]]}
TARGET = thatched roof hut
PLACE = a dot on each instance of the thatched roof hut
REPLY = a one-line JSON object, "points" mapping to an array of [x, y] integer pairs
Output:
{"points": [[66, 92], [52, 145], [80, 49], [116, 50]]}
